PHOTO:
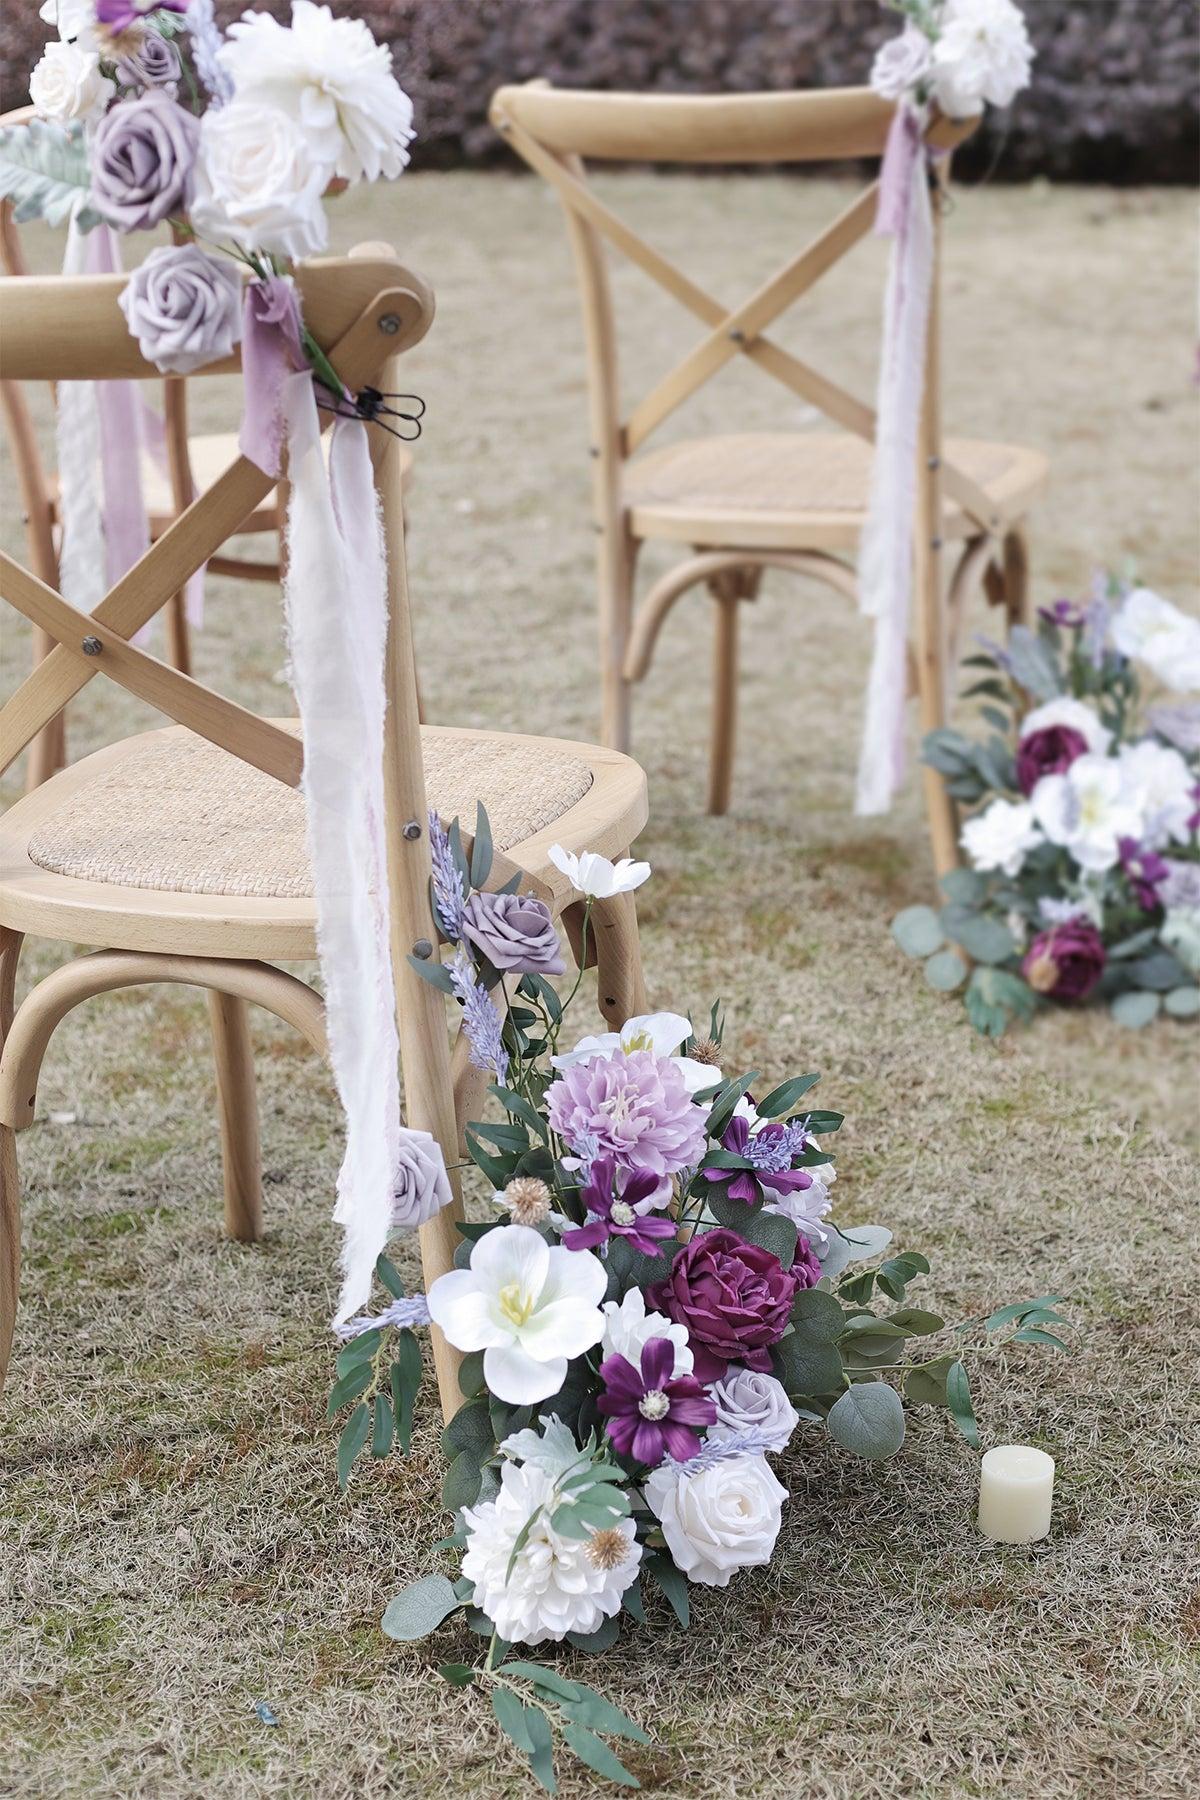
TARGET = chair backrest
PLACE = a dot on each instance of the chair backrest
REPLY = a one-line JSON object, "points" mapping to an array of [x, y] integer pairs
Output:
{"points": [[557, 131]]}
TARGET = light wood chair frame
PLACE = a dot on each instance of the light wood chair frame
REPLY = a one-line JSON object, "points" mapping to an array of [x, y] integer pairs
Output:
{"points": [[557, 132], [365, 312]]}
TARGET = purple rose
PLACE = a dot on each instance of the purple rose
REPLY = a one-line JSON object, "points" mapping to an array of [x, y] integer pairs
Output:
{"points": [[153, 63], [735, 1299], [142, 159], [1047, 752], [514, 932], [1066, 962], [184, 307], [421, 1187]]}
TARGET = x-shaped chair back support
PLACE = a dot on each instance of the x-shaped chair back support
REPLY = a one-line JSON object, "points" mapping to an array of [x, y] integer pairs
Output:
{"points": [[555, 131], [362, 310]]}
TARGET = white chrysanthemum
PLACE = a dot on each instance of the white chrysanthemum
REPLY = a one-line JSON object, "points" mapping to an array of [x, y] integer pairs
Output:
{"points": [[1160, 785], [67, 84], [806, 1207], [1001, 836], [1087, 810], [334, 80], [628, 1326], [556, 1584], [983, 53], [256, 182], [1073, 713], [1152, 631]]}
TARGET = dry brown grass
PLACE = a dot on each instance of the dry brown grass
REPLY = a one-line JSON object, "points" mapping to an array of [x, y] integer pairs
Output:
{"points": [[174, 1548]]}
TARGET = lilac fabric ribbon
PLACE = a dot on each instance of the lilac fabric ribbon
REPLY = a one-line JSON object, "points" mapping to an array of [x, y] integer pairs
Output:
{"points": [[886, 549], [126, 527], [271, 351]]}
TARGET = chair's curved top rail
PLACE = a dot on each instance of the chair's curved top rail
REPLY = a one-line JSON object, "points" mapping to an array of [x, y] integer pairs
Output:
{"points": [[70, 328], [821, 125]]}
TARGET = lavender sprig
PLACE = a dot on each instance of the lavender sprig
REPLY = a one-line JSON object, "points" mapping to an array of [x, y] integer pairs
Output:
{"points": [[479, 1017], [206, 41], [752, 1442], [413, 1309], [448, 894]]}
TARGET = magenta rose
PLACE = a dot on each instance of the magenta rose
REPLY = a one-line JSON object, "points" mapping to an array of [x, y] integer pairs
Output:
{"points": [[1066, 962], [514, 932], [1047, 752], [735, 1299]]}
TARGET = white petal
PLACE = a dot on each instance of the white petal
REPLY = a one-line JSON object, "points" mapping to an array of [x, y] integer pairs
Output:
{"points": [[586, 1049], [463, 1310], [663, 1033], [564, 1328], [567, 864], [511, 1253], [574, 1275], [520, 1380]]}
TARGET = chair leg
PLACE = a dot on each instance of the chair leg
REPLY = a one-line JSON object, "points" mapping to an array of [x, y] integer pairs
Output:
{"points": [[1017, 593], [618, 562], [179, 647], [620, 981], [237, 1102], [728, 590], [10, 1192], [48, 750]]}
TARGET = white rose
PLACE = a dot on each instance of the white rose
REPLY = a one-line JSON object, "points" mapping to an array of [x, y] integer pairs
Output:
{"points": [[747, 1400], [67, 84], [256, 181], [628, 1326], [1159, 784], [902, 64], [726, 1517], [334, 80], [982, 54], [1087, 810], [72, 19], [1152, 631], [1076, 715], [1001, 836]]}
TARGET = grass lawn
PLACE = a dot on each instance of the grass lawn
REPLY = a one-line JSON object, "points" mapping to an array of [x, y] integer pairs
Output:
{"points": [[173, 1546]]}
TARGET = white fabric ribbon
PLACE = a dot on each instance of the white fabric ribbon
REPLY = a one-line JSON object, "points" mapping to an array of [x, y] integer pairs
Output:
{"points": [[336, 609], [885, 561], [81, 556]]}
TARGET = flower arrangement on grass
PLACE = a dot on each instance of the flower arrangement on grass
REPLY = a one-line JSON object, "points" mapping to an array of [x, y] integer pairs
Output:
{"points": [[1085, 860], [657, 1301]]}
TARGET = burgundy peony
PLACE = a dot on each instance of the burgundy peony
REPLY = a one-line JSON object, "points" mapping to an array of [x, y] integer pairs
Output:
{"points": [[1066, 962], [1047, 752], [734, 1298], [514, 932]]}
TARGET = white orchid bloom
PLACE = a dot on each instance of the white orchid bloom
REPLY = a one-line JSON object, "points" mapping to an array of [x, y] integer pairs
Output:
{"points": [[1086, 810], [527, 1306], [663, 1034], [597, 878]]}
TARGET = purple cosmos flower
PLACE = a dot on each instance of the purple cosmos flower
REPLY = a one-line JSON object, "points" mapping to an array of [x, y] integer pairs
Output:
{"points": [[615, 1215], [1062, 612], [119, 15], [1144, 870], [650, 1414], [771, 1152], [1193, 823], [633, 1106]]}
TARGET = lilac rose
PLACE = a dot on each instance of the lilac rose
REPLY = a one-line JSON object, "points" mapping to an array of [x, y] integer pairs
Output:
{"points": [[735, 1299], [184, 307], [421, 1187], [142, 158], [152, 63], [1066, 962], [514, 931], [1049, 751]]}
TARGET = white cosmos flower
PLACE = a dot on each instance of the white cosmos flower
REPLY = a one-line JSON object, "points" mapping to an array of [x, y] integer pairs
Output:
{"points": [[1001, 836], [627, 1326], [1072, 713], [1087, 809], [593, 874], [335, 81], [67, 84], [527, 1306], [557, 1584], [256, 181], [725, 1518], [902, 63], [1152, 631], [982, 53], [661, 1033], [1159, 784]]}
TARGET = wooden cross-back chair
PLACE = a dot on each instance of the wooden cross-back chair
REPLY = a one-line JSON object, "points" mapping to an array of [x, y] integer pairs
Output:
{"points": [[753, 501], [188, 465], [179, 852]]}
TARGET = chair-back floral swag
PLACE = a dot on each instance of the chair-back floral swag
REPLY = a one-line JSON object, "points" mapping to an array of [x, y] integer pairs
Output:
{"points": [[954, 56], [148, 116]]}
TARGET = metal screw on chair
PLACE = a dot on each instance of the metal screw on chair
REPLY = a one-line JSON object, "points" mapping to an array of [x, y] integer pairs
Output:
{"points": [[935, 543], [389, 324], [737, 336], [422, 949], [411, 830], [92, 646], [935, 462]]}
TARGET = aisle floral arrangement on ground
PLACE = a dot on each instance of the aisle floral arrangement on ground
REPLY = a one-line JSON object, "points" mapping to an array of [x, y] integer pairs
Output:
{"points": [[1085, 860], [657, 1302]]}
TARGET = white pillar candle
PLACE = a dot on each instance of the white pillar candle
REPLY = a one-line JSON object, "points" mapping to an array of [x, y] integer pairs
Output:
{"points": [[1016, 1489]]}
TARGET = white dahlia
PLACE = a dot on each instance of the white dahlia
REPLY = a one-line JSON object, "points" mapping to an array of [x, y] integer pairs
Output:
{"points": [[557, 1584]]}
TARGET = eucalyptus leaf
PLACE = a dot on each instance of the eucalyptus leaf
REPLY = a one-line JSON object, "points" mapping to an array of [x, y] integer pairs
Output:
{"points": [[596, 1754], [1033, 664], [958, 1399], [1183, 1002], [354, 1436], [44, 173], [420, 1609], [918, 931], [985, 939], [966, 886], [945, 971], [771, 1231], [868, 1420], [512, 1716], [481, 849], [857, 1243], [1135, 1008], [926, 1386], [807, 1369], [461, 1482], [817, 1318], [595, 1643]]}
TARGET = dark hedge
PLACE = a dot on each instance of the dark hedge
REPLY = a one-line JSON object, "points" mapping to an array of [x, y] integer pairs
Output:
{"points": [[1116, 94]]}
